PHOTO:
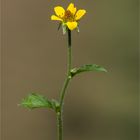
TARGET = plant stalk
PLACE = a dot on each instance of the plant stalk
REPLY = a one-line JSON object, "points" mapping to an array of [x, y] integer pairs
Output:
{"points": [[63, 91]]}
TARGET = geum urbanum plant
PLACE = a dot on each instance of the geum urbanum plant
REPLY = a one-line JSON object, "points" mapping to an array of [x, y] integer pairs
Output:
{"points": [[69, 20]]}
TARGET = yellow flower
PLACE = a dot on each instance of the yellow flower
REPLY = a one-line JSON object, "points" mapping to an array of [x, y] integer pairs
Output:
{"points": [[70, 17]]}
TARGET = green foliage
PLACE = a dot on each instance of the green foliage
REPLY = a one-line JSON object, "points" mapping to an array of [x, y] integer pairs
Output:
{"points": [[59, 26], [87, 68], [34, 100], [55, 105], [64, 28]]}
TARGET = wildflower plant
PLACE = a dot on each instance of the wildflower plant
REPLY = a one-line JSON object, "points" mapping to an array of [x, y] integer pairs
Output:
{"points": [[69, 20]]}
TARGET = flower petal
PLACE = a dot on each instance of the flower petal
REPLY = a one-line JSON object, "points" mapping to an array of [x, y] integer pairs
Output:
{"points": [[72, 8], [53, 17], [60, 12], [80, 14], [72, 25]]}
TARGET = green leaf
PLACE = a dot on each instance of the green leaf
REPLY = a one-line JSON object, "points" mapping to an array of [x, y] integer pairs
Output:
{"points": [[55, 105], [64, 28], [36, 101], [59, 26], [87, 68], [78, 29]]}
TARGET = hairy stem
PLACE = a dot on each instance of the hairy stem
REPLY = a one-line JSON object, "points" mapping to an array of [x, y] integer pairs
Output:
{"points": [[68, 78], [63, 91], [59, 125]]}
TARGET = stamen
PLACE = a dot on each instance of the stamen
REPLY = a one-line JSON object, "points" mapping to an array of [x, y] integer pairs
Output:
{"points": [[68, 16]]}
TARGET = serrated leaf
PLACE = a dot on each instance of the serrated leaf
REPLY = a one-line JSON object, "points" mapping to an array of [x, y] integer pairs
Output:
{"points": [[36, 101], [87, 68]]}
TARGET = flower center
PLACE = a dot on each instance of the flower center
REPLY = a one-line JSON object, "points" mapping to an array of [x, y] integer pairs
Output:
{"points": [[68, 16]]}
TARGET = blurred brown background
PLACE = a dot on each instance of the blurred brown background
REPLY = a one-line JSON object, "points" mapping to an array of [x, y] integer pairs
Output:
{"points": [[98, 106]]}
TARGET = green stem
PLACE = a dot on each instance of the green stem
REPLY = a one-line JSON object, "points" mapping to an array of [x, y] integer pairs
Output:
{"points": [[63, 91], [68, 78], [59, 125]]}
